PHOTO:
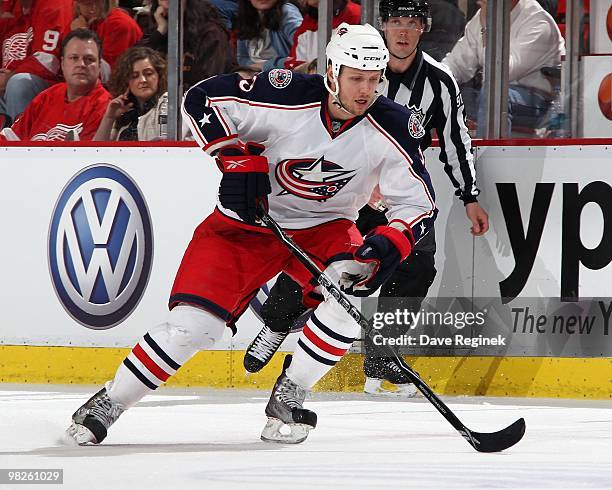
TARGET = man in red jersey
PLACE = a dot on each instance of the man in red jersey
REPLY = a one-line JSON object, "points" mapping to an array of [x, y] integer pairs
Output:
{"points": [[71, 110], [30, 33]]}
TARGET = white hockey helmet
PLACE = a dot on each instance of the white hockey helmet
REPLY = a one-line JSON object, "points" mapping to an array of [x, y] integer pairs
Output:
{"points": [[357, 46]]}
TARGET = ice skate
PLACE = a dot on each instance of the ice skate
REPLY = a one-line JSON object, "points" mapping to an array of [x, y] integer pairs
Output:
{"points": [[381, 369], [284, 411], [92, 420], [263, 347]]}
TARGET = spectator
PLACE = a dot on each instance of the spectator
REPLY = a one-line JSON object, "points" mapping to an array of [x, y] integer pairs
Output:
{"points": [[265, 32], [304, 48], [117, 30], [551, 6], [71, 110], [29, 51], [139, 110], [535, 42], [206, 41]]}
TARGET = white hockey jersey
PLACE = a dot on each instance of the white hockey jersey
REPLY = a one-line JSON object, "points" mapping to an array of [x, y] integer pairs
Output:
{"points": [[317, 174]]}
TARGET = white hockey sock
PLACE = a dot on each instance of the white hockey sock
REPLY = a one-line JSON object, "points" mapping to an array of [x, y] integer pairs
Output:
{"points": [[162, 351], [326, 337]]}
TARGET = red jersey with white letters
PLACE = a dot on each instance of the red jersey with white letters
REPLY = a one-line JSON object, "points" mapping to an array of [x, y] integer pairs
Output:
{"points": [[31, 41], [50, 117]]}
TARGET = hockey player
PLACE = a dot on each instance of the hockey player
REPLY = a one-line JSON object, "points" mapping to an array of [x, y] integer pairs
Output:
{"points": [[317, 146], [429, 90]]}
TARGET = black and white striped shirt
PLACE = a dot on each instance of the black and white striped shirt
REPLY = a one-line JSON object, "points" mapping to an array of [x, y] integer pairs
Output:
{"points": [[429, 89]]}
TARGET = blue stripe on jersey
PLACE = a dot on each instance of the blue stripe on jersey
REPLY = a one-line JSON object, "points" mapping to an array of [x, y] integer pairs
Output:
{"points": [[208, 126], [300, 90], [264, 88], [394, 119]]}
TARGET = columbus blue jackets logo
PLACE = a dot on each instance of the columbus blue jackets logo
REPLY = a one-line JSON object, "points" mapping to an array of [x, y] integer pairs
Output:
{"points": [[280, 78], [100, 246], [316, 180], [415, 122]]}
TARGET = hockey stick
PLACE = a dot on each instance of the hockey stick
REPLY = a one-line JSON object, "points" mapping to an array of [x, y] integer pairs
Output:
{"points": [[485, 442]]}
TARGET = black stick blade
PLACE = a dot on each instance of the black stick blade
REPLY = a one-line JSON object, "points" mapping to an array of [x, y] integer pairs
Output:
{"points": [[493, 442]]}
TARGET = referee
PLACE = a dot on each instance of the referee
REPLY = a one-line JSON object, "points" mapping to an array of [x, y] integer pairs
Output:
{"points": [[429, 90]]}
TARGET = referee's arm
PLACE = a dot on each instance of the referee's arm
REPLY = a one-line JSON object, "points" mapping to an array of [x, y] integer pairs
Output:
{"points": [[456, 152]]}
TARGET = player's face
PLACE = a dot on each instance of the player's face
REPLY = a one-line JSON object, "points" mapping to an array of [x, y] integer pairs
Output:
{"points": [[144, 80], [357, 88], [402, 35], [81, 65]]}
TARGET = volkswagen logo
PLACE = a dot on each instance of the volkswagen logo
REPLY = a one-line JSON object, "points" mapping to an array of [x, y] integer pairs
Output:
{"points": [[100, 246]]}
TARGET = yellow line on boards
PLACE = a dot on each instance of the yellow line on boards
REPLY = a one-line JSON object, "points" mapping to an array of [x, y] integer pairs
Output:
{"points": [[491, 376]]}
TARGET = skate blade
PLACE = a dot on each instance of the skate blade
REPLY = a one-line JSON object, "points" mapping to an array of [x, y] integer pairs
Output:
{"points": [[272, 432], [407, 391], [80, 435], [375, 387], [399, 393]]}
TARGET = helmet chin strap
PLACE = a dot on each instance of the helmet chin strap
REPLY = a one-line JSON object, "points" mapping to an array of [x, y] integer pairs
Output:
{"points": [[335, 93]]}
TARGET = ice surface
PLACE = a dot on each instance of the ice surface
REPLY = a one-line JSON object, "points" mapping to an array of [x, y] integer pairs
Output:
{"points": [[182, 439]]}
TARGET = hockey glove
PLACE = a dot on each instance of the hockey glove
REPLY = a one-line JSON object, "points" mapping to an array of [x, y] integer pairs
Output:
{"points": [[245, 180], [382, 251]]}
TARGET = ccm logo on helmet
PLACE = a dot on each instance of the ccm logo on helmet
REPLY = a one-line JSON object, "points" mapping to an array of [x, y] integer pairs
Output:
{"points": [[372, 58]]}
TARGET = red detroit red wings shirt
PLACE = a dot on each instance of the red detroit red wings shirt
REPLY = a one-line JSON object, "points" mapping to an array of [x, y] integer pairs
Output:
{"points": [[31, 42], [51, 117]]}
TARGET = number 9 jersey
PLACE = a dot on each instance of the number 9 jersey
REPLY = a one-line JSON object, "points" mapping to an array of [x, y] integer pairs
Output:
{"points": [[31, 41]]}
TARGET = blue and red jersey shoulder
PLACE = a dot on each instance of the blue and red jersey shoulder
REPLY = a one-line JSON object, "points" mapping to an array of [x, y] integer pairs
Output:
{"points": [[401, 125], [273, 88]]}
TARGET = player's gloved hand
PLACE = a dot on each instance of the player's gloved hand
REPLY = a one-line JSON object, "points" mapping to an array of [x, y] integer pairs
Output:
{"points": [[245, 180], [382, 251]]}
